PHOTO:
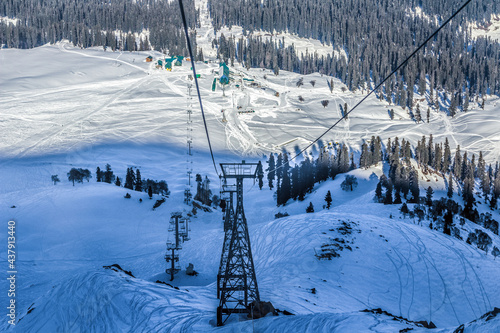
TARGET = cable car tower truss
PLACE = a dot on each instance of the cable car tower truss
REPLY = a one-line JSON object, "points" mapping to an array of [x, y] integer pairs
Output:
{"points": [[238, 283]]}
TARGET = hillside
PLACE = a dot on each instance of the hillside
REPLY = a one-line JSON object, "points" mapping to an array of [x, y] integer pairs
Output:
{"points": [[84, 108]]}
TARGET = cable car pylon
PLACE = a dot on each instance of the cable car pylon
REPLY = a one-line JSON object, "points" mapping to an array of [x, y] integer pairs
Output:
{"points": [[236, 282]]}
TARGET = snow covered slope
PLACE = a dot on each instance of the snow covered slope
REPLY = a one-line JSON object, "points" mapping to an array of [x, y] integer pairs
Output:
{"points": [[66, 234], [65, 107], [68, 98]]}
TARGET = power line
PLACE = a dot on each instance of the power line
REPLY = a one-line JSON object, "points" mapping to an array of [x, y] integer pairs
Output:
{"points": [[381, 83], [196, 81]]}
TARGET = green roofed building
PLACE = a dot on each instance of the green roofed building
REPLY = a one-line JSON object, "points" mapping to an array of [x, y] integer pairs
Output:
{"points": [[224, 76]]}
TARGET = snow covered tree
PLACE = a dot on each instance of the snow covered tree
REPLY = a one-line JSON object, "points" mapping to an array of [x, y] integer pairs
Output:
{"points": [[325, 103], [418, 115], [328, 199]]}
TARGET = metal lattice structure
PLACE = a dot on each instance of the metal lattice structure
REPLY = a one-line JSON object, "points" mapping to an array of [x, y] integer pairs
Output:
{"points": [[239, 283], [228, 217], [178, 233]]}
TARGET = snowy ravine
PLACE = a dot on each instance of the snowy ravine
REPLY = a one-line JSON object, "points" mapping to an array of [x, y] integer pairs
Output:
{"points": [[84, 108]]}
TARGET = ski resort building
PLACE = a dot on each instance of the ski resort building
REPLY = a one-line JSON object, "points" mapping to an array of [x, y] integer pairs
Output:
{"points": [[224, 73]]}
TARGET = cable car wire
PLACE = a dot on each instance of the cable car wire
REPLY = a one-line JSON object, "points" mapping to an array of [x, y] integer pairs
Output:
{"points": [[381, 83], [196, 81]]}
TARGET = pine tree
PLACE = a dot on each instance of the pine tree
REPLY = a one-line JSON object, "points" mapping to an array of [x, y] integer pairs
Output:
{"points": [[138, 181], [150, 192], [418, 115], [328, 199], [388, 193], [397, 197], [428, 114], [108, 175], [449, 193], [429, 192], [404, 210], [98, 175], [271, 171], [310, 208], [129, 183], [495, 191], [457, 164], [378, 192], [118, 181], [260, 175], [363, 159], [446, 156], [414, 188]]}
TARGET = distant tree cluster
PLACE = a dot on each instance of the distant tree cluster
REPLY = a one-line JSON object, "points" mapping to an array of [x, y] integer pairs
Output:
{"points": [[106, 176], [78, 175], [294, 183], [135, 182], [88, 23], [464, 68], [203, 192]]}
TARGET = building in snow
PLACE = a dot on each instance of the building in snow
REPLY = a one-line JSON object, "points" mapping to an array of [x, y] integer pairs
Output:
{"points": [[224, 73]]}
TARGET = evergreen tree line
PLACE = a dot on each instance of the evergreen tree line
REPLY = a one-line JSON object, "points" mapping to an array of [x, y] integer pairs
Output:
{"points": [[133, 181], [402, 179], [89, 23], [460, 170], [295, 182], [453, 62]]}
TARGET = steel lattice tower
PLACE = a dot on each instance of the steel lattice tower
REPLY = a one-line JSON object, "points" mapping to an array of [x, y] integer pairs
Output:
{"points": [[239, 283], [228, 228]]}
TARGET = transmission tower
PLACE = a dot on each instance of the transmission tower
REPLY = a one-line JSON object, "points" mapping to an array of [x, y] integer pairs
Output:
{"points": [[227, 195], [189, 139], [239, 283], [178, 233]]}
